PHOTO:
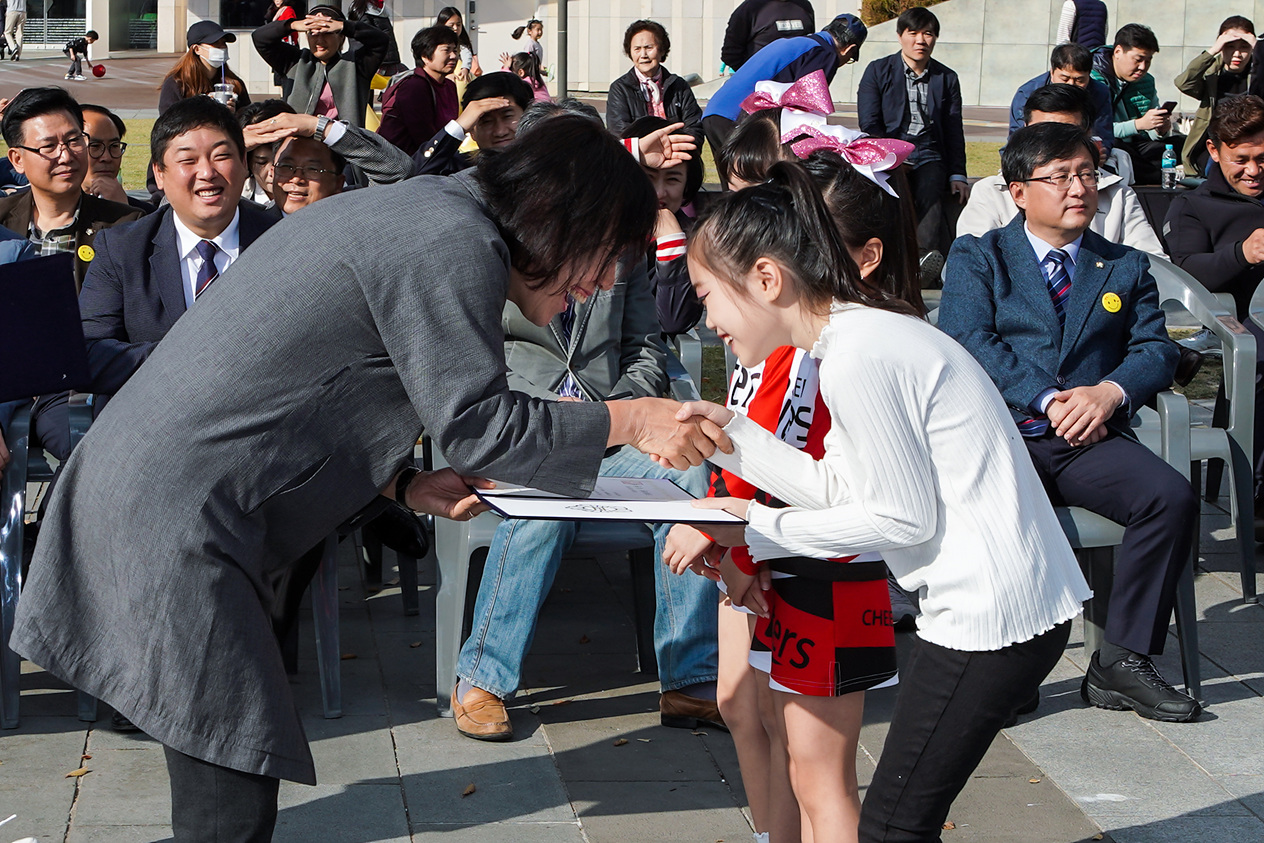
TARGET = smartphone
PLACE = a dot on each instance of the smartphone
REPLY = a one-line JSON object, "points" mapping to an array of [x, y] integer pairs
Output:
{"points": [[1168, 106]]}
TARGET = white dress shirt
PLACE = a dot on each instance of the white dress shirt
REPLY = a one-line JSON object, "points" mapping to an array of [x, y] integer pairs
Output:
{"points": [[925, 465], [228, 244]]}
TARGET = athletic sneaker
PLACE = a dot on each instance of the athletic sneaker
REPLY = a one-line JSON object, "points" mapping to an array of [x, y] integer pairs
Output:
{"points": [[1204, 342], [81, 78], [1136, 684]]}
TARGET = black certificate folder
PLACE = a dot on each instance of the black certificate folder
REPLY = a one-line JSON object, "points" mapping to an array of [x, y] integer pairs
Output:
{"points": [[41, 338], [642, 499]]}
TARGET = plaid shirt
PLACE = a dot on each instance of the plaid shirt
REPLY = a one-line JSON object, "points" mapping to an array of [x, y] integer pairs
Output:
{"points": [[55, 241], [916, 85]]}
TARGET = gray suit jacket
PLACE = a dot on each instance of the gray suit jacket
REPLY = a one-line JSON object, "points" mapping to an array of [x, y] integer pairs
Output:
{"points": [[380, 160], [615, 350], [270, 413]]}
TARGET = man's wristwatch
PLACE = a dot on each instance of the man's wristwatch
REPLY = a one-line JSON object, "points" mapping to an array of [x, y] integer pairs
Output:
{"points": [[401, 484], [322, 123]]}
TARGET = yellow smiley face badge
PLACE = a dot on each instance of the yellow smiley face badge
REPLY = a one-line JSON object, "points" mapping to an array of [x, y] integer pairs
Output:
{"points": [[1112, 303], [86, 254]]}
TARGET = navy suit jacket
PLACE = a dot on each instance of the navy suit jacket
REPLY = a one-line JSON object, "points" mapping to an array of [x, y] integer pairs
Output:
{"points": [[134, 292], [996, 303], [883, 108]]}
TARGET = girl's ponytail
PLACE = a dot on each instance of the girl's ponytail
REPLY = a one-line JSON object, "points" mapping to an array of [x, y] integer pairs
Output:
{"points": [[517, 33]]}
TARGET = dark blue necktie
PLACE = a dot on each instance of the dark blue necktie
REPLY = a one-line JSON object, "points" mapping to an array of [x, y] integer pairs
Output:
{"points": [[208, 272], [1059, 281]]}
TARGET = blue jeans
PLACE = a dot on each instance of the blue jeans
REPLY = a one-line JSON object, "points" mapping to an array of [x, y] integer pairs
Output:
{"points": [[521, 564]]}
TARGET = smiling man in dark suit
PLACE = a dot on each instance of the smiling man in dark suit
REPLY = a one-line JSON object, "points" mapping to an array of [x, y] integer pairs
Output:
{"points": [[146, 275], [1068, 326]]}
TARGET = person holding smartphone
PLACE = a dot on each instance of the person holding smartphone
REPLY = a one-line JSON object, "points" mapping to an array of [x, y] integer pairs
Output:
{"points": [[1143, 125]]}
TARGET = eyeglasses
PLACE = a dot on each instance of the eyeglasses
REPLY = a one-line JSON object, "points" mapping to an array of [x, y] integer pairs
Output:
{"points": [[1062, 181], [288, 171], [74, 143], [98, 148]]}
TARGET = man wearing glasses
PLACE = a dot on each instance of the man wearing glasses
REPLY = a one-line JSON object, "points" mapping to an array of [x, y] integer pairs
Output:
{"points": [[1069, 328], [105, 131], [47, 143]]}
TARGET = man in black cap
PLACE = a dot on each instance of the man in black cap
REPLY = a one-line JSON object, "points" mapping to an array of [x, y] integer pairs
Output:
{"points": [[328, 80]]}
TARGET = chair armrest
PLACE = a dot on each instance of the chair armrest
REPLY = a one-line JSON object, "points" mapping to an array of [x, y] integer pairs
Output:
{"points": [[80, 415], [1173, 410], [689, 349]]}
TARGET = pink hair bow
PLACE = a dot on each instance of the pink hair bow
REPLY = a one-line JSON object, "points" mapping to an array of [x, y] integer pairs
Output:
{"points": [[810, 93], [872, 157]]}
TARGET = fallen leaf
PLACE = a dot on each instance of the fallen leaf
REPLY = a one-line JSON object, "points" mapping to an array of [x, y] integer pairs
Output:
{"points": [[1099, 836], [74, 774], [643, 740], [1033, 780], [584, 639], [346, 657], [85, 757], [621, 742], [469, 788], [561, 702], [415, 644], [949, 826]]}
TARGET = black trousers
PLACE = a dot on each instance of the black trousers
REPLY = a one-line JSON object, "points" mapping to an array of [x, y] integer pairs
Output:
{"points": [[213, 804], [1126, 482], [717, 130], [1147, 155], [951, 705], [929, 185]]}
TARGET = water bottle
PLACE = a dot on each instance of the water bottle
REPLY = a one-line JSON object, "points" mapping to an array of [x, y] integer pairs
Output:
{"points": [[1169, 168]]}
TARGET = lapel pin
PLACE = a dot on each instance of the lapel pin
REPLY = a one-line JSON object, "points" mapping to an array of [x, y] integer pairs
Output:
{"points": [[1100, 264], [1112, 303]]}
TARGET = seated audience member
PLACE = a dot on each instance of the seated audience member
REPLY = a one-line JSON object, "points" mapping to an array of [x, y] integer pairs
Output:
{"points": [[784, 60], [493, 104], [606, 346], [1119, 217], [259, 155], [417, 106], [675, 302], [912, 97], [331, 76], [757, 23], [364, 154], [1216, 231], [1225, 70], [1070, 64], [1038, 305], [44, 130], [305, 171], [649, 88], [1142, 129], [526, 66], [105, 131]]}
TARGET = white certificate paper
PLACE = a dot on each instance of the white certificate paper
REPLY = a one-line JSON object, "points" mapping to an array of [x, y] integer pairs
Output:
{"points": [[613, 499]]}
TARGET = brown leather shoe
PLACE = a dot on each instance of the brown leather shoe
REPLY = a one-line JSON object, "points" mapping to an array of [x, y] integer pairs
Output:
{"points": [[481, 716], [681, 711]]}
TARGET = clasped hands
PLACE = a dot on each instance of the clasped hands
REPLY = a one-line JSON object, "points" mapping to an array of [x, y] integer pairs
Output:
{"points": [[1079, 415]]}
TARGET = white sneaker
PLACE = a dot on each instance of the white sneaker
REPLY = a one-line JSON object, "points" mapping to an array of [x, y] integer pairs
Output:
{"points": [[1204, 342], [81, 78]]}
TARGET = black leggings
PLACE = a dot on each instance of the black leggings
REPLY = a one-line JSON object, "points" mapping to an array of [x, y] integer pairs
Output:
{"points": [[951, 705]]}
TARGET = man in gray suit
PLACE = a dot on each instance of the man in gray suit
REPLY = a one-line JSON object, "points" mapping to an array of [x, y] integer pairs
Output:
{"points": [[280, 406]]}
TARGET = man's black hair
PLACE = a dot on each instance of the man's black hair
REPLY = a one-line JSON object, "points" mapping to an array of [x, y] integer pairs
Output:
{"points": [[567, 199], [917, 19], [119, 125], [1071, 56], [541, 110], [1032, 147], [189, 114], [36, 102], [846, 30], [1061, 99], [498, 85], [427, 40], [643, 126], [1135, 36], [92, 33], [261, 110]]}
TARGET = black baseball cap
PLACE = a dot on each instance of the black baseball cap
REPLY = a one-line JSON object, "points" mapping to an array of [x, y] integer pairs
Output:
{"points": [[208, 32], [328, 10]]}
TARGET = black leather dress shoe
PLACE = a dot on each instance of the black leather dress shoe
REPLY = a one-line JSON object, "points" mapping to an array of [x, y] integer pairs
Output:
{"points": [[121, 724], [1135, 684]]}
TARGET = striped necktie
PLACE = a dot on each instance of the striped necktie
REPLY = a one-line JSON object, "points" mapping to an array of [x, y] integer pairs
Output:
{"points": [[208, 272], [1059, 282]]}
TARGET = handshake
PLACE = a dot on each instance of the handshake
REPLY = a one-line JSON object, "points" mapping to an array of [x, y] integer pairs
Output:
{"points": [[675, 435]]}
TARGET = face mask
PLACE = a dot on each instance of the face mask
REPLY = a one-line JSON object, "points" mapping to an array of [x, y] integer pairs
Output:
{"points": [[216, 56]]}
